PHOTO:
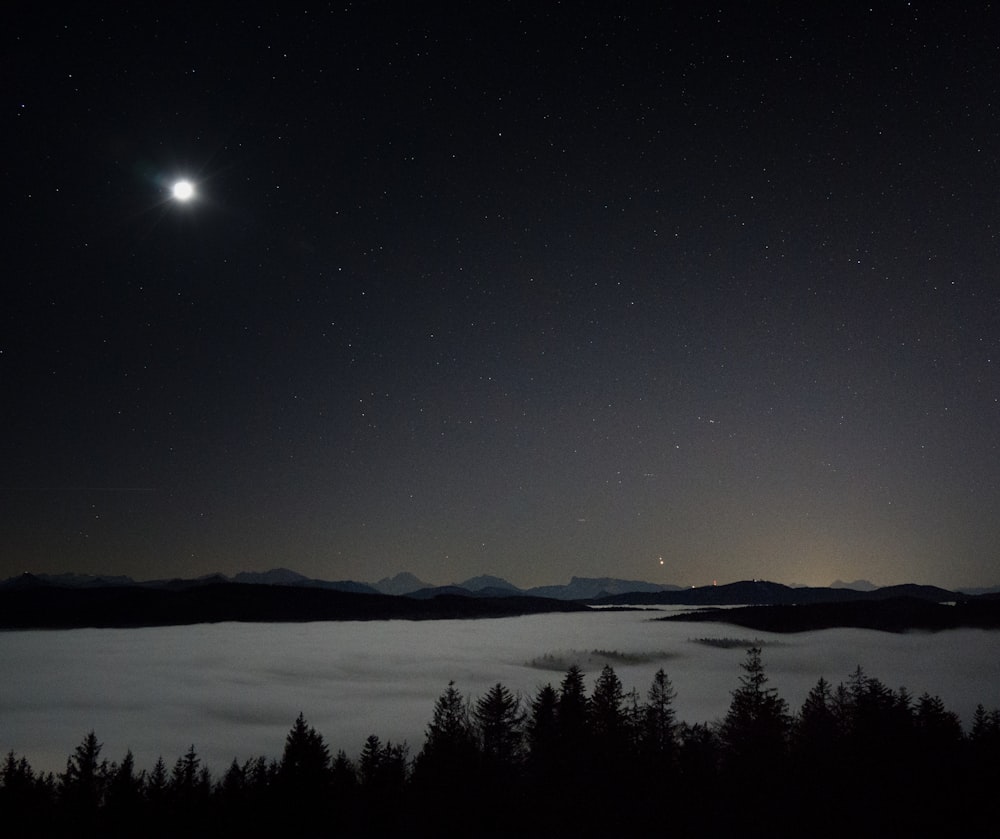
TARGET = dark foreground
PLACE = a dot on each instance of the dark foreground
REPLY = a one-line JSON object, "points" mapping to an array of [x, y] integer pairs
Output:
{"points": [[858, 760]]}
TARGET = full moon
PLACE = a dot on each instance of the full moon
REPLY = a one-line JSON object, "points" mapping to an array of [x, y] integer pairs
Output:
{"points": [[183, 190]]}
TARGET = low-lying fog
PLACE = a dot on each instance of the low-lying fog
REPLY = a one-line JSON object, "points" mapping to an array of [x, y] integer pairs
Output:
{"points": [[234, 689]]}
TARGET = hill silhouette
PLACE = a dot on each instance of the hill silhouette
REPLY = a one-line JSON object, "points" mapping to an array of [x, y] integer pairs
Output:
{"points": [[281, 595], [892, 614], [130, 606]]}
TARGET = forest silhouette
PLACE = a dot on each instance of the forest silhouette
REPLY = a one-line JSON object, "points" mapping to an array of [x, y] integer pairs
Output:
{"points": [[858, 759]]}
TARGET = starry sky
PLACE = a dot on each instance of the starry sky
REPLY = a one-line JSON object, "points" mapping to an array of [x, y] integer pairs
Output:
{"points": [[519, 288]]}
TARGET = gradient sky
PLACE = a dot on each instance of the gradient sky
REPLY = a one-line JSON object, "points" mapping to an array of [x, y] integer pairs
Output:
{"points": [[529, 289]]}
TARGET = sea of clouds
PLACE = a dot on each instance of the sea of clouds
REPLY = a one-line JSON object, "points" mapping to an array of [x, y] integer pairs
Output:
{"points": [[233, 690]]}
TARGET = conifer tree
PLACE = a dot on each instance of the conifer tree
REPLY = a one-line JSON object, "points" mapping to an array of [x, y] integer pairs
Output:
{"points": [[499, 721], [190, 782], [542, 728], [937, 727], [16, 776], [755, 728], [125, 787], [344, 774], [817, 728], [370, 761], [572, 713], [305, 762], [450, 744], [157, 783], [84, 782], [659, 736], [608, 727]]}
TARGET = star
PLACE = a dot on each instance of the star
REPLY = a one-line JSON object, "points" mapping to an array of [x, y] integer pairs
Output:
{"points": [[183, 191]]}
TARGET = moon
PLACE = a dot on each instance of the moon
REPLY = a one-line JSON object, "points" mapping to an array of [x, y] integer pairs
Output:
{"points": [[183, 191]]}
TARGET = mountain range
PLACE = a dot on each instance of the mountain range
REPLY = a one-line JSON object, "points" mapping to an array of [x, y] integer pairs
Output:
{"points": [[76, 600], [597, 590]]}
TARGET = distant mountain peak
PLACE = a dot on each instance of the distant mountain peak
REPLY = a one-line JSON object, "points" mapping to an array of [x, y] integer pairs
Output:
{"points": [[402, 583], [274, 577], [484, 581], [67, 580], [856, 585], [584, 588]]}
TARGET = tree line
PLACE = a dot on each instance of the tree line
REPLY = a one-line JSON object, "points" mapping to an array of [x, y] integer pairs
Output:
{"points": [[859, 758]]}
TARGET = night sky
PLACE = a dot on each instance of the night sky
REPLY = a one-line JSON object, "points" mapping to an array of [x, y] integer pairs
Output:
{"points": [[529, 289]]}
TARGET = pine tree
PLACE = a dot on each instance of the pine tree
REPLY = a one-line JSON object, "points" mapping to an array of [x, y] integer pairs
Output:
{"points": [[305, 762], [542, 728], [572, 713], [937, 727], [84, 782], [985, 727], [817, 727], [25, 798], [190, 783], [755, 729], [450, 745], [125, 788], [370, 761], [499, 721], [659, 736], [16, 776], [344, 774], [232, 787], [157, 784], [606, 717]]}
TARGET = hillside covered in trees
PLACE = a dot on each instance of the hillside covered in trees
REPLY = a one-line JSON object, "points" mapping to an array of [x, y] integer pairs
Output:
{"points": [[858, 759]]}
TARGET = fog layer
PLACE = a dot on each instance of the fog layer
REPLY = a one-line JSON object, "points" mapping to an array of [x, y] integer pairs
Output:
{"points": [[233, 689]]}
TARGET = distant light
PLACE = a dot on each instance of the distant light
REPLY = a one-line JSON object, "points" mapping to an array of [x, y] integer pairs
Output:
{"points": [[183, 191]]}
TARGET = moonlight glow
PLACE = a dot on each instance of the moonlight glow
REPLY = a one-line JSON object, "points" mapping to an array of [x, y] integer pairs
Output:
{"points": [[183, 191]]}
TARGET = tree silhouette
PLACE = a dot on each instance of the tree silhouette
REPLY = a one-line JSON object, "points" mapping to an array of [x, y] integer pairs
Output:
{"points": [[26, 798], [232, 789], [190, 783], [343, 773], [303, 777], [572, 714], [305, 763], [124, 793], [755, 729], [542, 730], [383, 775], [983, 753], [382, 769], [157, 785], [370, 761], [499, 721], [938, 728], [658, 737], [606, 715], [698, 785], [450, 747], [985, 726], [817, 728], [84, 782], [447, 776], [609, 730], [16, 777]]}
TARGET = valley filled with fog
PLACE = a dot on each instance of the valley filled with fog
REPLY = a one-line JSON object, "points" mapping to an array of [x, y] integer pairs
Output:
{"points": [[234, 689]]}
